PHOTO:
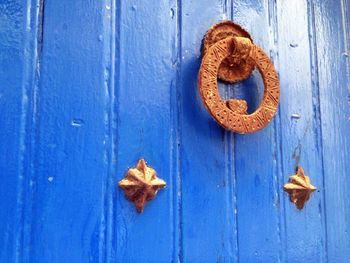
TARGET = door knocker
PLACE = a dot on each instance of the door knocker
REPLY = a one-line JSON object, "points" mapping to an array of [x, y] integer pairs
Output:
{"points": [[230, 55]]}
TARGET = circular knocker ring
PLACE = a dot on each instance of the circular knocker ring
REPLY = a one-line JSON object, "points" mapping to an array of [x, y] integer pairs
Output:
{"points": [[232, 114]]}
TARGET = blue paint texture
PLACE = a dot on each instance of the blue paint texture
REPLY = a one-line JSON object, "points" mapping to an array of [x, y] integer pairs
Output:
{"points": [[89, 87]]}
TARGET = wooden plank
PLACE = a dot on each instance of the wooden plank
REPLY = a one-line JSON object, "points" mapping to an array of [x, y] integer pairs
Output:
{"points": [[146, 128], [71, 159], [18, 45], [299, 134], [208, 224], [332, 45], [256, 161]]}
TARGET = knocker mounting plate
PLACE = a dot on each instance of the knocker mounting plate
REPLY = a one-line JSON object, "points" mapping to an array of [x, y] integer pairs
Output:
{"points": [[232, 68]]}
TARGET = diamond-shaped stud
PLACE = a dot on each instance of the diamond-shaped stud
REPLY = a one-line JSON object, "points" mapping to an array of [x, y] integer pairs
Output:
{"points": [[299, 188], [141, 184]]}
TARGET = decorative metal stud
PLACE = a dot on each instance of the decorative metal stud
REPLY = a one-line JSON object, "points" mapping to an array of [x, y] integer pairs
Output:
{"points": [[299, 188], [141, 184]]}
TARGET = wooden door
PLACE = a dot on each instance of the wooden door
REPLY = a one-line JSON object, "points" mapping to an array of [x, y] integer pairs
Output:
{"points": [[88, 87]]}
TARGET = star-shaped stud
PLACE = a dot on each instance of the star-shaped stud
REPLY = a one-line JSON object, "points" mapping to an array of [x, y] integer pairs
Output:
{"points": [[299, 188], [141, 184]]}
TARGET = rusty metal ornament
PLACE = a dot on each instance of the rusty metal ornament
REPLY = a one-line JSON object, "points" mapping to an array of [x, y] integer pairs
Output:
{"points": [[232, 114], [299, 188], [141, 184], [232, 68]]}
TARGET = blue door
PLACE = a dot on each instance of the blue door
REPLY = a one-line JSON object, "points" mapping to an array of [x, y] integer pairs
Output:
{"points": [[89, 87]]}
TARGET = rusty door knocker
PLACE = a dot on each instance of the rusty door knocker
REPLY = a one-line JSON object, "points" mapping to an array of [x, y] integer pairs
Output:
{"points": [[230, 55]]}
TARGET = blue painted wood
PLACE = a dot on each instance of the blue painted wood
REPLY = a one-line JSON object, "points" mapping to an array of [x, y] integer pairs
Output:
{"points": [[301, 140], [146, 118], [89, 87], [19, 21], [209, 229], [333, 72], [66, 221], [257, 184]]}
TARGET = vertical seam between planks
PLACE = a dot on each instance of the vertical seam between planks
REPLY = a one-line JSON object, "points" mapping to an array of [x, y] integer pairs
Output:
{"points": [[233, 184], [346, 53], [227, 13], [106, 227], [345, 25], [116, 71], [26, 238], [111, 252], [317, 118], [28, 81], [234, 194], [118, 218], [344, 12], [233, 174], [109, 43], [102, 228], [176, 111], [277, 134]]}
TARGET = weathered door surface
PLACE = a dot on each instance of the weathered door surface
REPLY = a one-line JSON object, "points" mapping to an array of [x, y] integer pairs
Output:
{"points": [[88, 87]]}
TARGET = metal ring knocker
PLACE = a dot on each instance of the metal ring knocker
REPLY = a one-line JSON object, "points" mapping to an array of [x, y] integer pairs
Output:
{"points": [[232, 46]]}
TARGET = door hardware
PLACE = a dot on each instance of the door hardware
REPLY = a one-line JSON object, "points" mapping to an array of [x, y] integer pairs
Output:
{"points": [[299, 188], [230, 55], [141, 184]]}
